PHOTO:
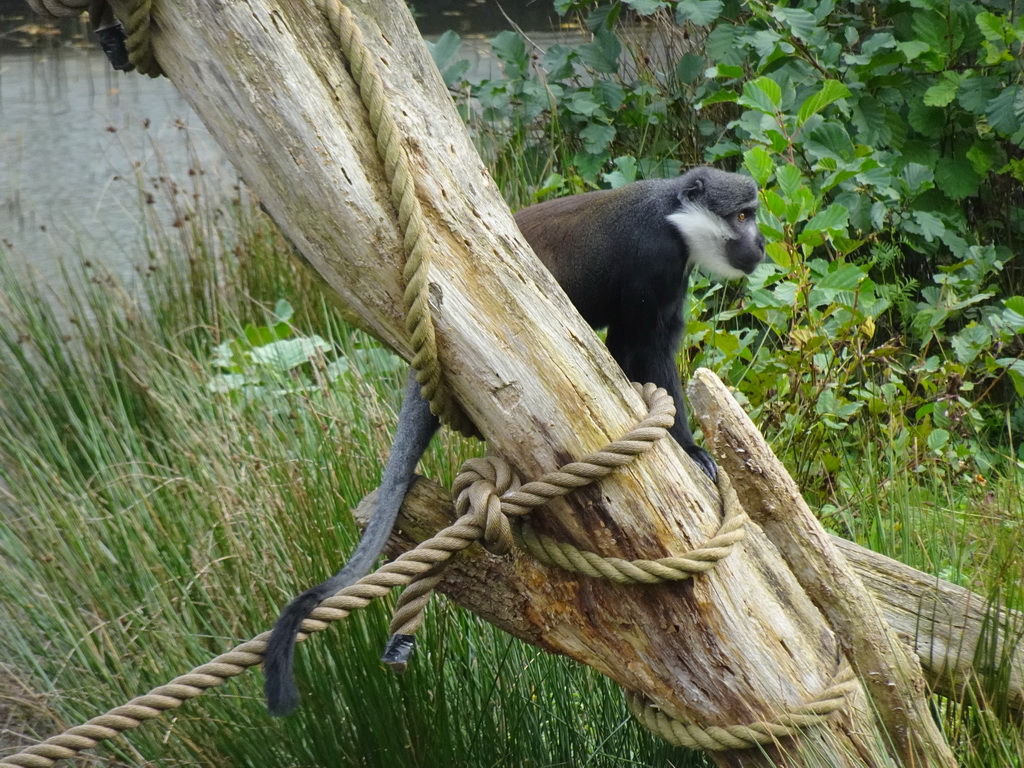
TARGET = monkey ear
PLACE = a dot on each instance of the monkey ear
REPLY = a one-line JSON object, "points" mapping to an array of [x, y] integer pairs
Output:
{"points": [[694, 190]]}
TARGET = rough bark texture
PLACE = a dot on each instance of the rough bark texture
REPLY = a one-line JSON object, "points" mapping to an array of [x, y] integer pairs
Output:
{"points": [[731, 647]]}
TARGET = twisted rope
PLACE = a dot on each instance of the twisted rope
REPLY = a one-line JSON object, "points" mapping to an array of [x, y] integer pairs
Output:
{"points": [[721, 738], [676, 568], [417, 245], [55, 9], [138, 38]]}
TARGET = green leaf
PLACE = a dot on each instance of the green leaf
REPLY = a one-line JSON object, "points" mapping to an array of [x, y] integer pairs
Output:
{"points": [[290, 353], [596, 137], [833, 218], [444, 49], [582, 103], [944, 91], [762, 94], [956, 177], [558, 61], [788, 178], [1015, 368], [800, 22], [1015, 304], [510, 50], [970, 342], [1006, 111], [283, 311], [992, 27], [760, 165], [912, 49], [831, 92], [929, 225], [647, 7], [844, 277], [937, 439], [690, 67], [603, 53], [698, 12], [624, 173]]}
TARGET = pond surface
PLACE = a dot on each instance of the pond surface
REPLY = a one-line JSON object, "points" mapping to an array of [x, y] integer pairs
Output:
{"points": [[78, 143], [81, 145]]}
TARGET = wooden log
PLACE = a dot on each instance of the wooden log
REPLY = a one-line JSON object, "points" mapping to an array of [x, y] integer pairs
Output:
{"points": [[735, 646]]}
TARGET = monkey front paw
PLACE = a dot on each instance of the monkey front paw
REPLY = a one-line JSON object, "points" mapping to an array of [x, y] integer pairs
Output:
{"points": [[704, 461]]}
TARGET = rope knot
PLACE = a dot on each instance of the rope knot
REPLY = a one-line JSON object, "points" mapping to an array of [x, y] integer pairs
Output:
{"points": [[478, 490]]}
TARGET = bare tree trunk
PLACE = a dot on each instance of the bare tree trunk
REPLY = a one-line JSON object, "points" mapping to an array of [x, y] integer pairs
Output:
{"points": [[736, 646]]}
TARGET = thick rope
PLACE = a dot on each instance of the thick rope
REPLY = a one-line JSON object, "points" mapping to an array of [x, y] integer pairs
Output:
{"points": [[55, 9], [401, 179], [722, 738], [676, 568], [138, 40]]}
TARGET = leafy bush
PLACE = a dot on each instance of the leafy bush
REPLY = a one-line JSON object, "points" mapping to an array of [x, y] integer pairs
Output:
{"points": [[886, 138]]}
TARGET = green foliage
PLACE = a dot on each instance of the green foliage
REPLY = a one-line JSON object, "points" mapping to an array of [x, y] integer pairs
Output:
{"points": [[887, 141], [268, 363]]}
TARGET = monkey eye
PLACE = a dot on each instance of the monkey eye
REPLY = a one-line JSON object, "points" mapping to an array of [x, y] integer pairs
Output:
{"points": [[741, 216]]}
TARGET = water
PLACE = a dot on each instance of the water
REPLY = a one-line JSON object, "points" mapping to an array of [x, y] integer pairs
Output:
{"points": [[78, 142], [76, 152]]}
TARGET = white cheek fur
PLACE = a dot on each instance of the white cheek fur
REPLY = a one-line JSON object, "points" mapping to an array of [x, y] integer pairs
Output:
{"points": [[705, 235]]}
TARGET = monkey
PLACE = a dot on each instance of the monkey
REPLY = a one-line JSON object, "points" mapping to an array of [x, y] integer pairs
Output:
{"points": [[623, 256]]}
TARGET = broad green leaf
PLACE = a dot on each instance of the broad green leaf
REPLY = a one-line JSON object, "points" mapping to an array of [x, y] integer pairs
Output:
{"points": [[970, 342], [582, 103], [760, 165], [912, 49], [510, 49], [937, 439], [762, 94], [800, 22], [788, 178], [283, 311], [647, 7], [831, 92], [698, 12], [929, 224], [726, 71], [845, 277], [596, 137], [956, 177], [602, 54], [624, 173], [1006, 111], [1015, 368], [690, 67], [835, 217], [558, 61], [289, 353], [1016, 304], [992, 27], [944, 91], [444, 49]]}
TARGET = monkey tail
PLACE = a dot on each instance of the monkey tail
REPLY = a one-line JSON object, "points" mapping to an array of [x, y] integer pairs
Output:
{"points": [[279, 659]]}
